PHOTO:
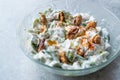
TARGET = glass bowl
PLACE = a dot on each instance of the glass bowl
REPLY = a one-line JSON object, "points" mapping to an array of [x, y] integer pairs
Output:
{"points": [[74, 6]]}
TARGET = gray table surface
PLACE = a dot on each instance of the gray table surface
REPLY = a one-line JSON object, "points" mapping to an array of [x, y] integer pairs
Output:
{"points": [[14, 65]]}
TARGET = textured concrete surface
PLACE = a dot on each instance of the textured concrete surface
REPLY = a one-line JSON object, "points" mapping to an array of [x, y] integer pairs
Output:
{"points": [[14, 65]]}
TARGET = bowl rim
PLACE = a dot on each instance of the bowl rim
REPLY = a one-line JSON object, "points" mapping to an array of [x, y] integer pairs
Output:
{"points": [[70, 70]]}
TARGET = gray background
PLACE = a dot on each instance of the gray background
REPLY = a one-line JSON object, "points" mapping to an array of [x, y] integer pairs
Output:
{"points": [[14, 65]]}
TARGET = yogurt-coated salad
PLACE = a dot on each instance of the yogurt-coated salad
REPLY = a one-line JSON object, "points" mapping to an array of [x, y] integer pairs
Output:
{"points": [[69, 41]]}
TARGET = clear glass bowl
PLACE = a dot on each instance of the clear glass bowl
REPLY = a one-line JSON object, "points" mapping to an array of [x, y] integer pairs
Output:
{"points": [[75, 6]]}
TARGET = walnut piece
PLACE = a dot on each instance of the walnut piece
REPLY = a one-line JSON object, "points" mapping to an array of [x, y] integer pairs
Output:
{"points": [[96, 39], [62, 56], [91, 24], [61, 16], [79, 51], [78, 20], [43, 20], [41, 44], [71, 34]]}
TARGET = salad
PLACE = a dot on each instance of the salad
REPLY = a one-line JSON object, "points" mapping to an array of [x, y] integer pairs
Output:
{"points": [[69, 41]]}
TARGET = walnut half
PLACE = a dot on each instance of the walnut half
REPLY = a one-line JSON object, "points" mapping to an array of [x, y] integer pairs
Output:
{"points": [[78, 20], [71, 34], [43, 20], [96, 39], [61, 16], [91, 24]]}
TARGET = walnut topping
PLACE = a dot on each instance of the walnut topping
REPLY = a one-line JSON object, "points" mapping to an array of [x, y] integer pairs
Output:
{"points": [[62, 56], [96, 39], [91, 47], [79, 51], [78, 20], [43, 20], [91, 24], [41, 44], [71, 34], [61, 16]]}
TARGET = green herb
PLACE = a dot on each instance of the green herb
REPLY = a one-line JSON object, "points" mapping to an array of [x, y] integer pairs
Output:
{"points": [[67, 15], [83, 24], [34, 43], [34, 31], [34, 46], [70, 56], [36, 22]]}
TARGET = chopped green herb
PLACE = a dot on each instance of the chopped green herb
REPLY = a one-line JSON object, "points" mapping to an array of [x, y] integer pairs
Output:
{"points": [[84, 24], [36, 22]]}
